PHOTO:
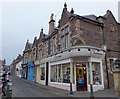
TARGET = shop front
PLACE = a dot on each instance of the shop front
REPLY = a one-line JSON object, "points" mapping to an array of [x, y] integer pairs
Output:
{"points": [[42, 72], [37, 65], [24, 71], [19, 69], [31, 71], [67, 67]]}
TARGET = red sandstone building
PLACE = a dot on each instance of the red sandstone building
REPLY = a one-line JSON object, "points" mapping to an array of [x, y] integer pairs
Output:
{"points": [[79, 46]]}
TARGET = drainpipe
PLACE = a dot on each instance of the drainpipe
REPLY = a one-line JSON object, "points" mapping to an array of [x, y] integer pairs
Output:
{"points": [[108, 85], [105, 49]]}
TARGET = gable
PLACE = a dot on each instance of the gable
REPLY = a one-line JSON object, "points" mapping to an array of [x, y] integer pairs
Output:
{"points": [[28, 45], [64, 17], [109, 16]]}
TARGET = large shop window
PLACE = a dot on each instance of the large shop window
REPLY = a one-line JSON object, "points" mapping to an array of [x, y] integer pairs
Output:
{"points": [[66, 73], [96, 73], [42, 73], [60, 73]]}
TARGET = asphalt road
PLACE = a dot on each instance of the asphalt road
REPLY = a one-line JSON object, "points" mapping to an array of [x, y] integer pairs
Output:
{"points": [[23, 89]]}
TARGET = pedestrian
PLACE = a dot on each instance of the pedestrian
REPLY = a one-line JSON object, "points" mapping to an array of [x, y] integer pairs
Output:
{"points": [[81, 83]]}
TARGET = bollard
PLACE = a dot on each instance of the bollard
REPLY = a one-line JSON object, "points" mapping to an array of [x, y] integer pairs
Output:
{"points": [[91, 92], [71, 92]]}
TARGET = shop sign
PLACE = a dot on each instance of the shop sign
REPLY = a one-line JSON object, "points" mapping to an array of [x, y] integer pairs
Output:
{"points": [[57, 57], [96, 52]]}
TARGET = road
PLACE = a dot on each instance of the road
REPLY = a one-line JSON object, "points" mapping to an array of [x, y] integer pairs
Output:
{"points": [[21, 88], [25, 88]]}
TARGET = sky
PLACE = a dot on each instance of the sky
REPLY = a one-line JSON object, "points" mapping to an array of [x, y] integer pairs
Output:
{"points": [[24, 19]]}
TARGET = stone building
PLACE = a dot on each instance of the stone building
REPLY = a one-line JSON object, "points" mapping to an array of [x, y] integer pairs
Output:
{"points": [[14, 63], [79, 46], [27, 57]]}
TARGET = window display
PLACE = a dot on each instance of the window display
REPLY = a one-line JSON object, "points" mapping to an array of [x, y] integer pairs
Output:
{"points": [[96, 73], [66, 73], [53, 74], [60, 73], [42, 73]]}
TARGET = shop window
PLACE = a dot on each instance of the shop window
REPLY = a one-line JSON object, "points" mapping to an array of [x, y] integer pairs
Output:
{"points": [[56, 73], [53, 73], [66, 73], [42, 73], [96, 73], [60, 73]]}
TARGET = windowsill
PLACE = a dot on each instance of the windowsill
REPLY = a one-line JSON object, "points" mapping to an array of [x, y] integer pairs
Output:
{"points": [[59, 83]]}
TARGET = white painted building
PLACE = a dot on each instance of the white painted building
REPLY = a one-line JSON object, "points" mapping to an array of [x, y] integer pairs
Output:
{"points": [[18, 70], [67, 66]]}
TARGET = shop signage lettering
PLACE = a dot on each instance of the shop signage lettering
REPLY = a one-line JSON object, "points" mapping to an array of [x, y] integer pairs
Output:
{"points": [[58, 56], [98, 53]]}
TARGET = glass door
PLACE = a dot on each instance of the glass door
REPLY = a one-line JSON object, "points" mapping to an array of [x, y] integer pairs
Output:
{"points": [[81, 73]]}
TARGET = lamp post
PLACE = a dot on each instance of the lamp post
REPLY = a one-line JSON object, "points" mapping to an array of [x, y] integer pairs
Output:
{"points": [[71, 78], [71, 92], [91, 91], [91, 82]]}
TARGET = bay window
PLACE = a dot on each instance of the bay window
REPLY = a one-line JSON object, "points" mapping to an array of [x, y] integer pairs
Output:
{"points": [[96, 73]]}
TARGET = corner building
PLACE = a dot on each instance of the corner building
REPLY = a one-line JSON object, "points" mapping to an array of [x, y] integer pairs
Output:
{"points": [[78, 46], [73, 53]]}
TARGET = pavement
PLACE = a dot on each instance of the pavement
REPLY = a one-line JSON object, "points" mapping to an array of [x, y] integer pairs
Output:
{"points": [[107, 93]]}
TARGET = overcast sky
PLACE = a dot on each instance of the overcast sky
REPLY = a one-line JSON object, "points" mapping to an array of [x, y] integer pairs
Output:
{"points": [[23, 20]]}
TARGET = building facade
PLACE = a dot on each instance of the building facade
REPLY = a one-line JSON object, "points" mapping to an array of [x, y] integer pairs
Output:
{"points": [[18, 68], [79, 46], [27, 57]]}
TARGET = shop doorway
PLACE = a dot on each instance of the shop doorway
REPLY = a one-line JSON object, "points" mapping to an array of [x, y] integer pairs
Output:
{"points": [[81, 72]]}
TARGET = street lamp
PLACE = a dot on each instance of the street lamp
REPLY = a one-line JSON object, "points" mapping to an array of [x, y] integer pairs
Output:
{"points": [[91, 82]]}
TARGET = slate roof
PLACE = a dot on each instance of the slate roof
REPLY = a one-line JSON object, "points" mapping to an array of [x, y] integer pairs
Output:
{"points": [[35, 42], [42, 36], [28, 46], [92, 17]]}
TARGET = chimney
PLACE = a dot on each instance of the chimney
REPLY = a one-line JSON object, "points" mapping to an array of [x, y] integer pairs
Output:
{"points": [[51, 24]]}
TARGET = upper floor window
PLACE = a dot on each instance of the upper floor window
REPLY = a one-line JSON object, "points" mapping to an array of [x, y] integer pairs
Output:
{"points": [[65, 38], [45, 49], [40, 53], [62, 42], [54, 44]]}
